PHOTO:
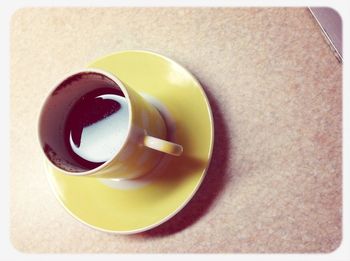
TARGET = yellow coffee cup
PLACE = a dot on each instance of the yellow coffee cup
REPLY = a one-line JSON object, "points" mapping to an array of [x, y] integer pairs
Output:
{"points": [[93, 124]]}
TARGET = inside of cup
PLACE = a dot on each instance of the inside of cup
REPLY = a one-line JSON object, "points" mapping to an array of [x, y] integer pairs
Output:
{"points": [[77, 120]]}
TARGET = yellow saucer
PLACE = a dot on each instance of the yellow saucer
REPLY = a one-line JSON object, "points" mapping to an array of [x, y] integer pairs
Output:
{"points": [[142, 204]]}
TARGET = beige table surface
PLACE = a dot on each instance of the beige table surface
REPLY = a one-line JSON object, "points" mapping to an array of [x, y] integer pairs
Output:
{"points": [[274, 184]]}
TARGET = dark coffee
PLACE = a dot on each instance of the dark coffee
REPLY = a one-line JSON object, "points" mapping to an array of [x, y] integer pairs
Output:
{"points": [[97, 126], [90, 129]]}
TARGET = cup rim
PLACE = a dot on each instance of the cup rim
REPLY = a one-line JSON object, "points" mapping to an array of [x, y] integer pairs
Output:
{"points": [[117, 81]]}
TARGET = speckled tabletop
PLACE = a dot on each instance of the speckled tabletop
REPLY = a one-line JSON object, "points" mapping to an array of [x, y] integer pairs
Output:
{"points": [[274, 184]]}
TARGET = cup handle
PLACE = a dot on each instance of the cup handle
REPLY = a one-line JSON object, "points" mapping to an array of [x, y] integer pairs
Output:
{"points": [[163, 145]]}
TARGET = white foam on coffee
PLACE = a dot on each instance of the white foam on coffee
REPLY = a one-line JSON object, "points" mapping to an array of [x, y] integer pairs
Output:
{"points": [[102, 140]]}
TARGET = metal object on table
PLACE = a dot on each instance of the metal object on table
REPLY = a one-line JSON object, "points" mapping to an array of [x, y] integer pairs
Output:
{"points": [[331, 25]]}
